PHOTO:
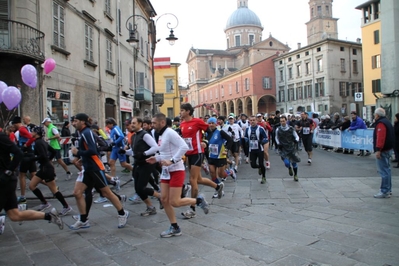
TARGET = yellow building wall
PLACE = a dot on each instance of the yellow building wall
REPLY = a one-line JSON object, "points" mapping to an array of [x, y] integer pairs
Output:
{"points": [[369, 50], [172, 99]]}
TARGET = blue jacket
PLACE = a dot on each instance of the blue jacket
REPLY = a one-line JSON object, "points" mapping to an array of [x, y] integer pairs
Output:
{"points": [[358, 123]]}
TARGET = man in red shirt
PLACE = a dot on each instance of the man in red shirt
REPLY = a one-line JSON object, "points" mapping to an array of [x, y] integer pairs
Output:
{"points": [[192, 133]]}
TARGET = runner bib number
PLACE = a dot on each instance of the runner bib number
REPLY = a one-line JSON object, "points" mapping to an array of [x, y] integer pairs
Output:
{"points": [[306, 130], [214, 149], [165, 173], [189, 143]]}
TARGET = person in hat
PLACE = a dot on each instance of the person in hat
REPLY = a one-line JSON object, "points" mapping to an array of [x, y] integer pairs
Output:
{"points": [[46, 172], [8, 185], [93, 176], [53, 135]]}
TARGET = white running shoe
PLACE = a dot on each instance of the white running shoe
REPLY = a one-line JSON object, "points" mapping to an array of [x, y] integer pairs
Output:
{"points": [[56, 219], [80, 225], [101, 200], [43, 207], [122, 219], [65, 211]]}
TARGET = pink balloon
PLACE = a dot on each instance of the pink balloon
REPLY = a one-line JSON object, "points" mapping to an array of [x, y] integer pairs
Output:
{"points": [[11, 97], [49, 65], [29, 75], [3, 86]]}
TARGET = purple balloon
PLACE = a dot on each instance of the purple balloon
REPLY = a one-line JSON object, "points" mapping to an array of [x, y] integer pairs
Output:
{"points": [[29, 75], [11, 97], [3, 86]]}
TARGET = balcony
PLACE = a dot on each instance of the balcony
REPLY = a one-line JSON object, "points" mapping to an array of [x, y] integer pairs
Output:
{"points": [[143, 94], [17, 38]]}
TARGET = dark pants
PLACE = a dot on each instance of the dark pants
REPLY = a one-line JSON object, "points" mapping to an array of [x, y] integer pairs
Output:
{"points": [[256, 158], [142, 174]]}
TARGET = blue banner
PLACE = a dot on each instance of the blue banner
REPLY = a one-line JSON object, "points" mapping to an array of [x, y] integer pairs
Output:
{"points": [[360, 139]]}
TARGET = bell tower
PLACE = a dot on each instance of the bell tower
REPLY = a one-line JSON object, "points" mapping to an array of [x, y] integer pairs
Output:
{"points": [[321, 25], [242, 3]]}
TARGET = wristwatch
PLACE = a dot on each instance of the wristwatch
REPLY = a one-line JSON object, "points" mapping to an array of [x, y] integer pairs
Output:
{"points": [[8, 172], [172, 160]]}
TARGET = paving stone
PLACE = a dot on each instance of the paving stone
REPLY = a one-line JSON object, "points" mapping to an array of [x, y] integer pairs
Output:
{"points": [[374, 258], [291, 260], [110, 244], [50, 257], [333, 247], [229, 257], [135, 257], [314, 214], [298, 238], [328, 210], [173, 254], [87, 256], [351, 240]]}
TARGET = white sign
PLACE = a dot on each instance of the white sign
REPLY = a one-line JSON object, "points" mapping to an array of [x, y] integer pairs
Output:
{"points": [[328, 137], [126, 106], [358, 96]]}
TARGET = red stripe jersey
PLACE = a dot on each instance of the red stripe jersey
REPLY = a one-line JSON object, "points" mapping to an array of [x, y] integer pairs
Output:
{"points": [[192, 134]]}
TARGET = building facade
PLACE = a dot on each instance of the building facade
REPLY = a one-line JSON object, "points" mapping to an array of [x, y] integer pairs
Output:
{"points": [[232, 80], [326, 75], [380, 52], [166, 83], [97, 71]]}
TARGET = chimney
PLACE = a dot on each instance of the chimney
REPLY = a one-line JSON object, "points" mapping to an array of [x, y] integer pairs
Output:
{"points": [[299, 45], [358, 40]]}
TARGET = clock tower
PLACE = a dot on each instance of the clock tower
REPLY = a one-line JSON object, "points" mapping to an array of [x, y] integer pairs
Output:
{"points": [[321, 25]]}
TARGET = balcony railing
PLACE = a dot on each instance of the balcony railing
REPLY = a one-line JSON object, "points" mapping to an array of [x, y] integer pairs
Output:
{"points": [[22, 39], [143, 94]]}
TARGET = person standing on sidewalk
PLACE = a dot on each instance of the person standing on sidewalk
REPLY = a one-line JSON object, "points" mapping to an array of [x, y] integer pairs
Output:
{"points": [[46, 172], [287, 142], [257, 138], [383, 142], [65, 132], [171, 150], [396, 147], [191, 130], [53, 136], [93, 176], [358, 123], [8, 185]]}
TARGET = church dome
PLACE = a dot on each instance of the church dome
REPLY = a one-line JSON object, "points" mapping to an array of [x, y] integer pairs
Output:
{"points": [[243, 16]]}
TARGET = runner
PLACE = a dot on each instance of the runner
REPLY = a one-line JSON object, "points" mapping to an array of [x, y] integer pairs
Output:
{"points": [[287, 143], [8, 185], [171, 149], [93, 175], [46, 172], [306, 127], [191, 130], [235, 132], [256, 137]]}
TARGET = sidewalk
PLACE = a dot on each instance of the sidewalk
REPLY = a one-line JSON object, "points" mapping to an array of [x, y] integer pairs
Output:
{"points": [[329, 217]]}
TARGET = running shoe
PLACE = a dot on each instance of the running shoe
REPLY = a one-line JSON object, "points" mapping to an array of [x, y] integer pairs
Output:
{"points": [[381, 195], [76, 217], [295, 178], [235, 168], [65, 211], [204, 204], [220, 190], [56, 219], [117, 185], [309, 161], [43, 207], [267, 165], [80, 225], [100, 200], [123, 199], [122, 219], [135, 198], [21, 200], [3, 224], [171, 232], [263, 181], [290, 171], [246, 160], [216, 195], [186, 190], [149, 211], [125, 170], [68, 176], [189, 214], [233, 175]]}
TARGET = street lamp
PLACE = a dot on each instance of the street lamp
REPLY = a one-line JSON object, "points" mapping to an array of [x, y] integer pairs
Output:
{"points": [[133, 41]]}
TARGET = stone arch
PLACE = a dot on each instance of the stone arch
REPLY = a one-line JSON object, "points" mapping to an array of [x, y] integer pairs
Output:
{"points": [[240, 106], [266, 104], [248, 106]]}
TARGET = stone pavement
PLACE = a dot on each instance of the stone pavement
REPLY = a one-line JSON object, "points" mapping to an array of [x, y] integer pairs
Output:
{"points": [[329, 217]]}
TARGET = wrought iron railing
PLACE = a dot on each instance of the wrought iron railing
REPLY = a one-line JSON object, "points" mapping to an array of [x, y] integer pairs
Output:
{"points": [[143, 94], [20, 38]]}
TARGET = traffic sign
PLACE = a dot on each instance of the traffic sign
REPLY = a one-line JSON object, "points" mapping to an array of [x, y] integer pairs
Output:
{"points": [[358, 96]]}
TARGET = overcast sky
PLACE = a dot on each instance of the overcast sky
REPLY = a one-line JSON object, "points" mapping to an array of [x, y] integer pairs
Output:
{"points": [[202, 23]]}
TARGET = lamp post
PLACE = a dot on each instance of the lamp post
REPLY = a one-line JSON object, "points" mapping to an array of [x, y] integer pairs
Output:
{"points": [[133, 41]]}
